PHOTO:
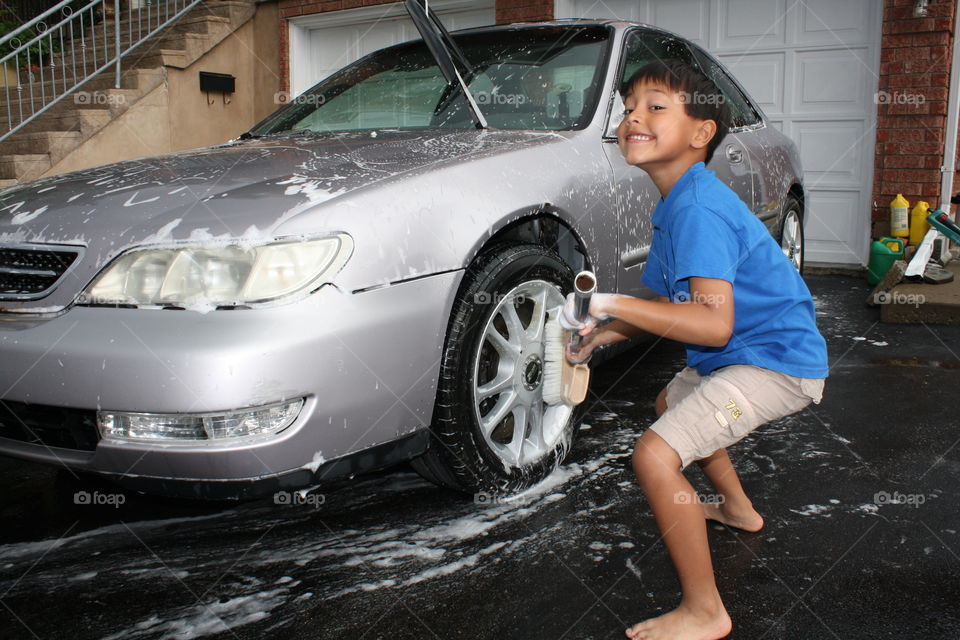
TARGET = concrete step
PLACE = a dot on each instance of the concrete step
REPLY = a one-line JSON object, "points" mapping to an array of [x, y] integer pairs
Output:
{"points": [[177, 58], [23, 167], [55, 144], [238, 11], [95, 56], [86, 121], [910, 302], [8, 183], [99, 92]]}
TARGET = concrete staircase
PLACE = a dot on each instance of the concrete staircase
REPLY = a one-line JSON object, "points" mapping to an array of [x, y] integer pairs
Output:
{"points": [[33, 150]]}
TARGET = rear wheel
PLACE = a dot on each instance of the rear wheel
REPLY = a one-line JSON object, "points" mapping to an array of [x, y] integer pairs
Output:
{"points": [[491, 430], [790, 234]]}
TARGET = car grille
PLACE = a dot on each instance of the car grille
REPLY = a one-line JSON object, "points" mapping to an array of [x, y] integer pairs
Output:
{"points": [[51, 426], [32, 271]]}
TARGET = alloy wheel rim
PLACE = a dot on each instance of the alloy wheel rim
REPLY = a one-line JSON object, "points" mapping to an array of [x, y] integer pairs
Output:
{"points": [[509, 373], [792, 241]]}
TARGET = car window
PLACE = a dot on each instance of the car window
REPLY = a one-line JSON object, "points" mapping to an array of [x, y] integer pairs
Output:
{"points": [[402, 96], [538, 90], [639, 48], [741, 111], [544, 78]]}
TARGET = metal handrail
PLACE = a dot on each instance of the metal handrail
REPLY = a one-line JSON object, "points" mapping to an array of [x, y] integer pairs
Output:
{"points": [[76, 49], [33, 21]]}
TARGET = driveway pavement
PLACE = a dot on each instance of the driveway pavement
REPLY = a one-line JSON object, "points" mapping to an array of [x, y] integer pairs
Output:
{"points": [[860, 495]]}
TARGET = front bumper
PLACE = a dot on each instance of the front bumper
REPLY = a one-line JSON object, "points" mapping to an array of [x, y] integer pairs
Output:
{"points": [[367, 365]]}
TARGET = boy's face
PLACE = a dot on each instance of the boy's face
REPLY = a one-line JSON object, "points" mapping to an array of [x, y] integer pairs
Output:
{"points": [[656, 131]]}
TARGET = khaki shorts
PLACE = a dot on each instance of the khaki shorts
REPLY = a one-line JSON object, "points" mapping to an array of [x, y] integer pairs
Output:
{"points": [[707, 413]]}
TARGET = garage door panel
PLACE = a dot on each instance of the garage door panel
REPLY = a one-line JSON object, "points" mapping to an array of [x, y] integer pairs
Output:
{"points": [[832, 81], [689, 18], [343, 40], [831, 22], [828, 226], [323, 43], [762, 76], [751, 24], [831, 152]]}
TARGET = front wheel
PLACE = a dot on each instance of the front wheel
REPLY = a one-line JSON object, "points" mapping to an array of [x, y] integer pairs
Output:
{"points": [[492, 431], [790, 234]]}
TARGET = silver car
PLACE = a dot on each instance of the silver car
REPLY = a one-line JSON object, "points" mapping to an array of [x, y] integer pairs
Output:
{"points": [[361, 279]]}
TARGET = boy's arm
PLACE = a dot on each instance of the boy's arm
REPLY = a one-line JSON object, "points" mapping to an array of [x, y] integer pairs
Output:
{"points": [[608, 332], [620, 330], [707, 320]]}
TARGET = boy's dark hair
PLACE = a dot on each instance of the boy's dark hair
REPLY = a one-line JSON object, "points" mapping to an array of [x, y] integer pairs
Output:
{"points": [[703, 100]]}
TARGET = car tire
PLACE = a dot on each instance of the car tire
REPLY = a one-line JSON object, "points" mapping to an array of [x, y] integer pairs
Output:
{"points": [[790, 232], [495, 341]]}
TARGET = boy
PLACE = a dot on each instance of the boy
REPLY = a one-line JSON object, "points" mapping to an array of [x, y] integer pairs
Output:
{"points": [[726, 290]]}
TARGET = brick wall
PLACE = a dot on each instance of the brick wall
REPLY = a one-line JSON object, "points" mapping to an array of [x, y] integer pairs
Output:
{"points": [[507, 11], [915, 58], [523, 10]]}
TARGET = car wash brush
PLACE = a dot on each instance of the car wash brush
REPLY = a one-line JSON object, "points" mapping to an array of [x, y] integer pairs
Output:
{"points": [[563, 381]]}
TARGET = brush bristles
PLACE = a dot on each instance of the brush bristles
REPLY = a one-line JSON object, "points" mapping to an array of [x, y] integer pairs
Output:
{"points": [[553, 359]]}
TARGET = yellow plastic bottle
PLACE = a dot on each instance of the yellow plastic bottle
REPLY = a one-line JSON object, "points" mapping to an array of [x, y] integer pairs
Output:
{"points": [[918, 222], [899, 220]]}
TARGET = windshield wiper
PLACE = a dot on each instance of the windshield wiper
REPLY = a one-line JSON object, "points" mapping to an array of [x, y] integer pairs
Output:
{"points": [[444, 49]]}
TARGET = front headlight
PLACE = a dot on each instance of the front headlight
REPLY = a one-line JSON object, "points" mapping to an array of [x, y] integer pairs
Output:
{"points": [[199, 427], [220, 276]]}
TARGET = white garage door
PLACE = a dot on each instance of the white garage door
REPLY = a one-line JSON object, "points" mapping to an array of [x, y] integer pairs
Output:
{"points": [[322, 43], [813, 67]]}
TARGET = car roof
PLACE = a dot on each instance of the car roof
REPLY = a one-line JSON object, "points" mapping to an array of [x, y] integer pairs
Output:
{"points": [[566, 22]]}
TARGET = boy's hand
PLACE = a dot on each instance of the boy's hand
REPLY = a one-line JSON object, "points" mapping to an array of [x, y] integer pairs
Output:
{"points": [[585, 349], [597, 313], [597, 336]]}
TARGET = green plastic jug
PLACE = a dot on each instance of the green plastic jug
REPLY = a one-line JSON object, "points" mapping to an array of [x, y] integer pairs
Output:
{"points": [[883, 253]]}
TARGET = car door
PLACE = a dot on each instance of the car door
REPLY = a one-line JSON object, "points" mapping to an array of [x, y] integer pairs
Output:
{"points": [[636, 195], [752, 136]]}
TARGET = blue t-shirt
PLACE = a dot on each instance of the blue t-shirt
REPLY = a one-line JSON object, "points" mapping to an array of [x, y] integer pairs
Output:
{"points": [[702, 229]]}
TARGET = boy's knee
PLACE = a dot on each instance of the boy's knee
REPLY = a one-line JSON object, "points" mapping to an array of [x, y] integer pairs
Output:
{"points": [[652, 456]]}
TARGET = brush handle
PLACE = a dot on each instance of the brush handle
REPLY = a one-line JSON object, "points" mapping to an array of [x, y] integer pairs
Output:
{"points": [[584, 286]]}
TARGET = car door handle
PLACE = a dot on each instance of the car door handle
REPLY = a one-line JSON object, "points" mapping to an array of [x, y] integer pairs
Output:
{"points": [[734, 154]]}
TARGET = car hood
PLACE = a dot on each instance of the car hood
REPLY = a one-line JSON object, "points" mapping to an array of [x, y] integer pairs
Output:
{"points": [[243, 189]]}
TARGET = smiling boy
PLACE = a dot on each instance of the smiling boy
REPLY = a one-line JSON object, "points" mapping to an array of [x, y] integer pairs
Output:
{"points": [[726, 291]]}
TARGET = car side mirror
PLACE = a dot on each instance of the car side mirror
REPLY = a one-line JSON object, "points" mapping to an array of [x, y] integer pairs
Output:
{"points": [[616, 115]]}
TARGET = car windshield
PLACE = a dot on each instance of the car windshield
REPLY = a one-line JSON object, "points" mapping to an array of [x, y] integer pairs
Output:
{"points": [[542, 78]]}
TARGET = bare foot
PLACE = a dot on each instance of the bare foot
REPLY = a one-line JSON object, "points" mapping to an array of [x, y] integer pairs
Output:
{"points": [[748, 519], [683, 624]]}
